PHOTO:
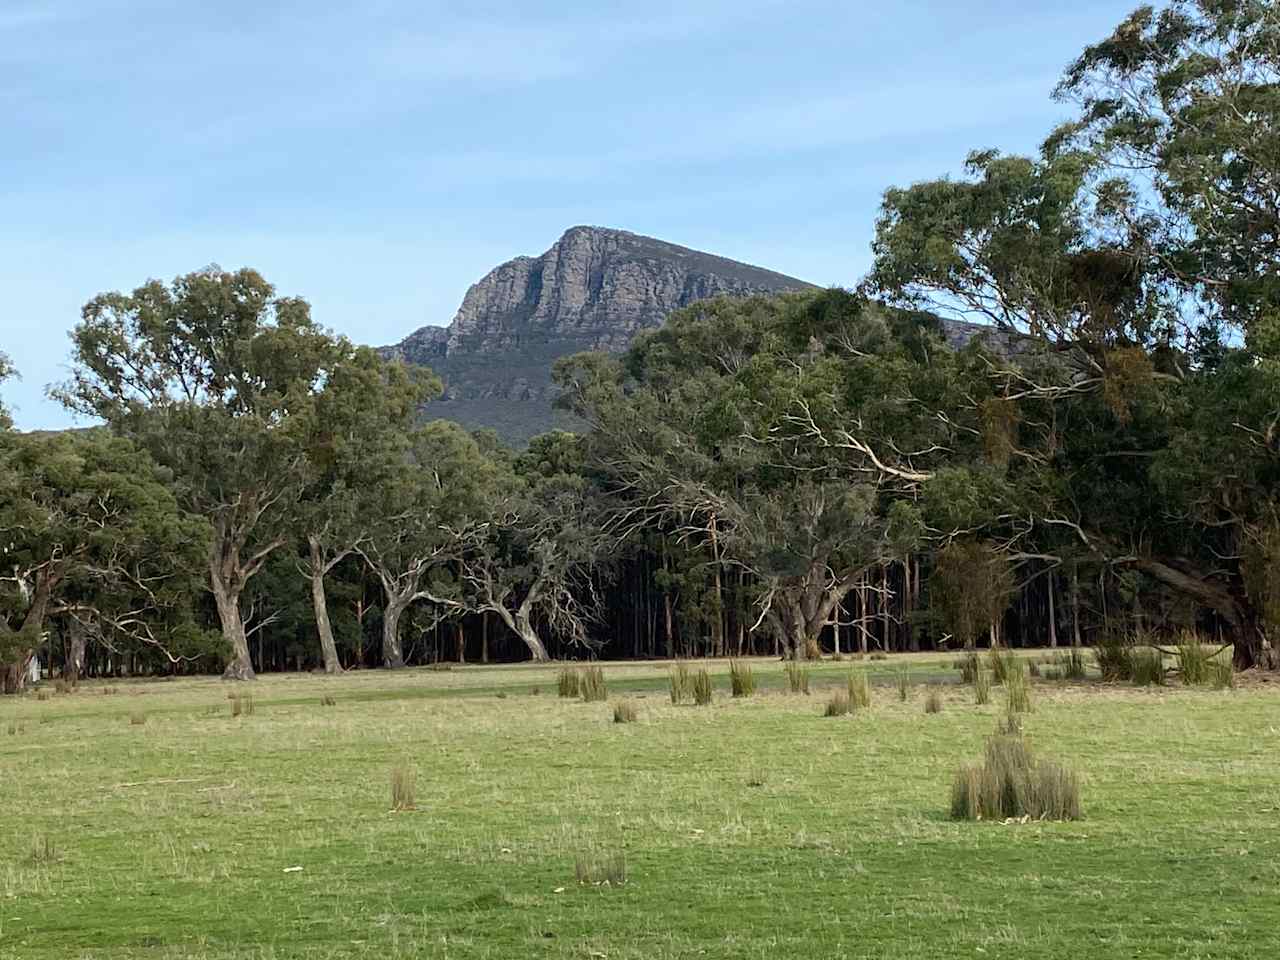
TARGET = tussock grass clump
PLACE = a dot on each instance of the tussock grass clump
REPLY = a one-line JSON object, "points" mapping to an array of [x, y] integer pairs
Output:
{"points": [[741, 680], [567, 683], [109, 691], [137, 718], [61, 686], [701, 688], [403, 789], [968, 665], [933, 702], [592, 685], [43, 852], [328, 701], [1018, 690], [1011, 783], [797, 678], [904, 682], [1069, 666], [1221, 674], [242, 704], [625, 711], [681, 683], [1148, 668], [879, 655], [859, 690], [600, 869], [981, 683], [42, 694], [1033, 669], [1002, 663], [838, 705], [1114, 656], [1193, 660], [16, 727]]}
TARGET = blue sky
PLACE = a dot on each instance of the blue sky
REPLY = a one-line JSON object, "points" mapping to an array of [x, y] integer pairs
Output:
{"points": [[377, 158]]}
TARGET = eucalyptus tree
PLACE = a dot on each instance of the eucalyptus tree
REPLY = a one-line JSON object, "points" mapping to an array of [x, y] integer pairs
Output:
{"points": [[90, 529], [357, 447], [536, 556], [1132, 271], [217, 378], [787, 435], [429, 508]]}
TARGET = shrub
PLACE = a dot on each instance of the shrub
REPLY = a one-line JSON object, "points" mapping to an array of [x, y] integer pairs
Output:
{"points": [[137, 718], [567, 682], [1221, 674], [1114, 655], [981, 683], [403, 783], [838, 705], [702, 688], [1012, 783], [904, 682], [625, 711], [933, 702], [328, 701], [1018, 690], [1002, 664], [1148, 668], [797, 678], [859, 690], [600, 869], [741, 679], [592, 685], [1193, 660], [681, 683]]}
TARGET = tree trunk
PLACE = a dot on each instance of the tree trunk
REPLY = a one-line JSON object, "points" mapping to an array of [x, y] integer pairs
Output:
{"points": [[328, 649], [484, 638], [524, 629], [392, 654], [240, 666], [74, 668], [1053, 620], [1075, 606]]}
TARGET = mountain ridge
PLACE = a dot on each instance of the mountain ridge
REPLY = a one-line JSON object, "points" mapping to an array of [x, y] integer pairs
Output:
{"points": [[595, 288]]}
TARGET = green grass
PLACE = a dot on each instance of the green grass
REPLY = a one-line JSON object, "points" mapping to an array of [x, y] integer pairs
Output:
{"points": [[750, 828]]}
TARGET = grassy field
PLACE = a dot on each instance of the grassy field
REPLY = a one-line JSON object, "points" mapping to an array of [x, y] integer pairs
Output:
{"points": [[750, 828]]}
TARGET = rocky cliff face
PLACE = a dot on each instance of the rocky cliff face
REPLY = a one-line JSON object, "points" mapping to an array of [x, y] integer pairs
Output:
{"points": [[595, 289]]}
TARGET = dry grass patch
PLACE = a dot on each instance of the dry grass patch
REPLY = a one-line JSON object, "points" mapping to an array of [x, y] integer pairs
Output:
{"points": [[137, 718], [859, 690], [681, 683], [592, 686], [403, 789], [797, 678], [933, 701], [568, 683], [1017, 689], [1011, 783], [838, 705], [625, 711], [597, 869], [742, 682], [702, 689]]}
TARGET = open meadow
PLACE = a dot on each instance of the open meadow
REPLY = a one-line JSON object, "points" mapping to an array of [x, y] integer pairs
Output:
{"points": [[150, 822]]}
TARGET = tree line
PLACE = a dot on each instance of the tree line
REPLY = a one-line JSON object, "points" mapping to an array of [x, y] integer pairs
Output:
{"points": [[845, 469]]}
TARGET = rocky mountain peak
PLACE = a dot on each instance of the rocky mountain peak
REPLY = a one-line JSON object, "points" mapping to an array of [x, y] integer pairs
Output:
{"points": [[594, 289]]}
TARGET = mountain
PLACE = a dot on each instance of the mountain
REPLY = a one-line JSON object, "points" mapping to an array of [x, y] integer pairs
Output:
{"points": [[595, 289]]}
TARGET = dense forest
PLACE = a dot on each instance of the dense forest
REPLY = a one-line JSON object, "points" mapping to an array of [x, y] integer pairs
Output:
{"points": [[798, 475]]}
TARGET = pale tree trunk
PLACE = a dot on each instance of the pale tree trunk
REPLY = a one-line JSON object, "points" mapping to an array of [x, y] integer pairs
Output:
{"points": [[1053, 620], [328, 648], [75, 651], [1075, 606], [227, 599], [524, 627], [392, 653]]}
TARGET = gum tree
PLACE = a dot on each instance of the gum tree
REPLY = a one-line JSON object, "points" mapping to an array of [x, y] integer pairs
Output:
{"points": [[217, 378]]}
